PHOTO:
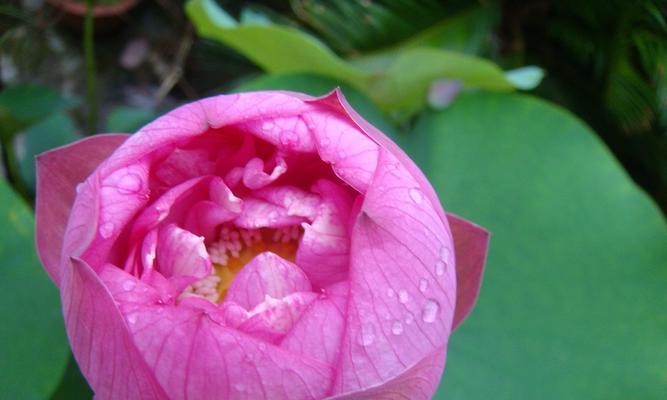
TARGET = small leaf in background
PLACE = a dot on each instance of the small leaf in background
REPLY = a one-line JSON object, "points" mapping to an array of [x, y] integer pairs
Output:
{"points": [[54, 131], [128, 119], [525, 78], [573, 302], [23, 105], [33, 344], [396, 80]]}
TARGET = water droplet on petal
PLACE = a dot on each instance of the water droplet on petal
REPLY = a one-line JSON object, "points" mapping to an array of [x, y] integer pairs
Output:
{"points": [[129, 285], [430, 310], [79, 187], [129, 184], [367, 335], [416, 195], [132, 318], [390, 292], [423, 285], [107, 230], [397, 328], [440, 267], [403, 296], [267, 125], [409, 317], [445, 253], [262, 347]]}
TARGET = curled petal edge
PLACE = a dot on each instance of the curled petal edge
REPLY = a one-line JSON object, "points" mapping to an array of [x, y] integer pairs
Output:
{"points": [[58, 172]]}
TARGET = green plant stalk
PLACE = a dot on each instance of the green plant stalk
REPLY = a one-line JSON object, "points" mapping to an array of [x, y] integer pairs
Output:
{"points": [[89, 52]]}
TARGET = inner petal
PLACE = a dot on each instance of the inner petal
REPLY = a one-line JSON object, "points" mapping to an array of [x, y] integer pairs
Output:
{"points": [[235, 248]]}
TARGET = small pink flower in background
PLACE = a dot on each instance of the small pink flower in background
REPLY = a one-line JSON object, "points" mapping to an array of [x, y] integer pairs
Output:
{"points": [[263, 245]]}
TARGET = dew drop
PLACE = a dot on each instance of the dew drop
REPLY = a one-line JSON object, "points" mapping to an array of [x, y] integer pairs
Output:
{"points": [[409, 317], [79, 187], [416, 195], [132, 318], [390, 292], [430, 310], [440, 267], [423, 285], [367, 335], [397, 328], [445, 253], [403, 296], [129, 184], [267, 126], [129, 285], [107, 229], [262, 347]]}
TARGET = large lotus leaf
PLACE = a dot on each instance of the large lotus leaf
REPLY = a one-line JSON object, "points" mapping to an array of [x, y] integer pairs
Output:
{"points": [[33, 346], [574, 299]]}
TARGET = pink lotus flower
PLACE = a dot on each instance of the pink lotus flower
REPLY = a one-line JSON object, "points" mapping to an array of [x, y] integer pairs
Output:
{"points": [[263, 245]]}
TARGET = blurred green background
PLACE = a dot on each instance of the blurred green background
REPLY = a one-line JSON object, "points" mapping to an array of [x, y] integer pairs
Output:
{"points": [[544, 121]]}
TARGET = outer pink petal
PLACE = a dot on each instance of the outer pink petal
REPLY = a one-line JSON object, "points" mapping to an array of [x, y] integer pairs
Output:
{"points": [[288, 133], [319, 331], [471, 243], [58, 173], [195, 357], [335, 101], [324, 250], [266, 274], [402, 282], [352, 155], [418, 382], [100, 340]]}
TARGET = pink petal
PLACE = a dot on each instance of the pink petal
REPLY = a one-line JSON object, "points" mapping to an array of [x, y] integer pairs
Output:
{"points": [[104, 206], [335, 101], [254, 176], [295, 201], [101, 342], [258, 213], [402, 282], [417, 382], [266, 274], [180, 253], [182, 165], [287, 133], [273, 318], [471, 243], [324, 250], [319, 331], [194, 356], [58, 172], [352, 155]]}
